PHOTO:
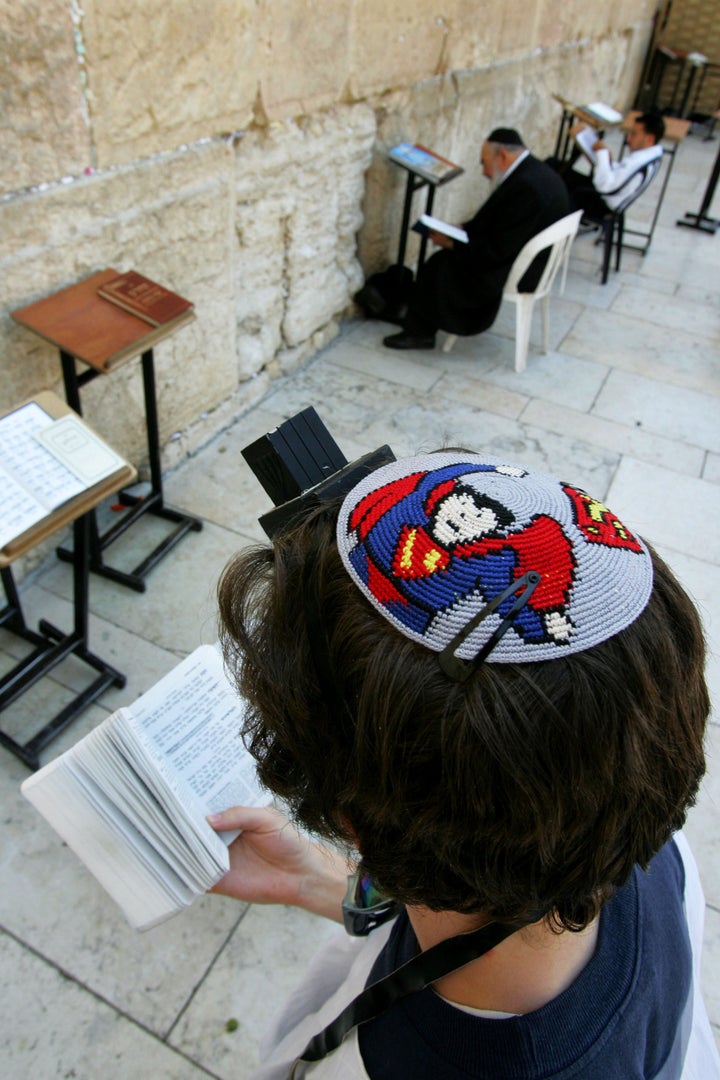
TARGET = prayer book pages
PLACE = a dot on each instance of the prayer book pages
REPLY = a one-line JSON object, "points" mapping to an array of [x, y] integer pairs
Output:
{"points": [[586, 140], [131, 797], [144, 298], [43, 463], [427, 223], [603, 113], [426, 163]]}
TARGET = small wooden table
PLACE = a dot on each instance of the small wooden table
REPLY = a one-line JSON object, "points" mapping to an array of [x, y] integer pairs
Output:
{"points": [[96, 332], [53, 645]]}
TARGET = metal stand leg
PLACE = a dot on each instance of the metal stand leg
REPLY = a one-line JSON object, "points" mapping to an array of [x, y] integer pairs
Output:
{"points": [[51, 647], [152, 503], [701, 220]]}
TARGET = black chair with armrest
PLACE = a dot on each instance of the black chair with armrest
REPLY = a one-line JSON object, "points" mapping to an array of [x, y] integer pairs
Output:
{"points": [[612, 224]]}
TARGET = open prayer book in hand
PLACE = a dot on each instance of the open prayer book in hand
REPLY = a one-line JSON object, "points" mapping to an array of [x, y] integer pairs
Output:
{"points": [[45, 462], [131, 797], [586, 140], [426, 223]]}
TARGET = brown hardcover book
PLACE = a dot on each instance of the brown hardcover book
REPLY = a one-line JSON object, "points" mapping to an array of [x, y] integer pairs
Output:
{"points": [[144, 298]]}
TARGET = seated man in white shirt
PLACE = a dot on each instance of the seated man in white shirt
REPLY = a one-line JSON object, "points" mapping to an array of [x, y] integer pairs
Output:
{"points": [[611, 184]]}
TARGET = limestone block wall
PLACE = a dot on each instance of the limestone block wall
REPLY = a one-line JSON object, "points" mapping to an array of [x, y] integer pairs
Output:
{"points": [[236, 150]]}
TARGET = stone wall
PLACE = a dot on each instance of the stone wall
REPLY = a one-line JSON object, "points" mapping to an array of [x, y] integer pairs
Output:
{"points": [[235, 150]]}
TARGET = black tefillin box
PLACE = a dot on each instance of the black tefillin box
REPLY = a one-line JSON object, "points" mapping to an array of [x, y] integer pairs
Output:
{"points": [[300, 465]]}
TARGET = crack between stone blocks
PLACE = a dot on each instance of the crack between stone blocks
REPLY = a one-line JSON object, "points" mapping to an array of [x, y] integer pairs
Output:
{"points": [[77, 16], [285, 279]]}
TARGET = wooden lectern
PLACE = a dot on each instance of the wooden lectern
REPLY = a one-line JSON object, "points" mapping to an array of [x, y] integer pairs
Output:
{"points": [[51, 645], [89, 329]]}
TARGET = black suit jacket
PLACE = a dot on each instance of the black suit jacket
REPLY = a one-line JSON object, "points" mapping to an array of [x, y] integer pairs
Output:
{"points": [[468, 279]]}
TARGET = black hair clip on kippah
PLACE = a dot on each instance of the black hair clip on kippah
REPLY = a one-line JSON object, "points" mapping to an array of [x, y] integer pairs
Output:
{"points": [[458, 669]]}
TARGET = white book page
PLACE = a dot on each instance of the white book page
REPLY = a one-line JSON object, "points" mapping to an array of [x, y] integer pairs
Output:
{"points": [[80, 449], [97, 842], [18, 509], [139, 812], [32, 465], [443, 227], [586, 139], [604, 112], [191, 721]]}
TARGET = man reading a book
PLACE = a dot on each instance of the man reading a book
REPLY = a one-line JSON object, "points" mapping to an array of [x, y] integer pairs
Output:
{"points": [[611, 185], [487, 692], [459, 288]]}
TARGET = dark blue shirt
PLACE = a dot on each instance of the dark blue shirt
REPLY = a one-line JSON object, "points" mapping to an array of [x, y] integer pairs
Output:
{"points": [[621, 1019]]}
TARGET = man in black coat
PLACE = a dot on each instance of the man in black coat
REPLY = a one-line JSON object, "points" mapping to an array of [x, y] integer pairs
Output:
{"points": [[459, 289]]}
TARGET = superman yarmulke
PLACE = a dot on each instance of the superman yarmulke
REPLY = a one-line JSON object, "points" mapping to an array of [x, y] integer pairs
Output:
{"points": [[431, 540]]}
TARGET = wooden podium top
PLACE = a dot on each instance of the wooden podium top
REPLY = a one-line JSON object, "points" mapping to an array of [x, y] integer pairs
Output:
{"points": [[74, 507], [91, 329]]}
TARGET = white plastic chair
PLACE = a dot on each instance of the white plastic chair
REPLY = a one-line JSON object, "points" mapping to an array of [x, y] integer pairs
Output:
{"points": [[558, 237]]}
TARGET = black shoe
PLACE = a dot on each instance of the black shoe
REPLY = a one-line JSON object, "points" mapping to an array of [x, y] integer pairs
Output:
{"points": [[404, 340]]}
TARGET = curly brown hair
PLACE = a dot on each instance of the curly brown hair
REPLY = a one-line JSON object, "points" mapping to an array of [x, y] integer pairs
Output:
{"points": [[529, 791]]}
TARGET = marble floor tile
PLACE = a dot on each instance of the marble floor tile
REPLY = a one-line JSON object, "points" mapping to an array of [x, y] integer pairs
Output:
{"points": [[635, 441], [702, 293], [711, 471], [583, 284], [628, 343], [481, 393], [219, 486], [346, 400], [668, 509], [256, 973], [141, 661], [479, 354], [53, 905], [703, 320], [54, 1028], [563, 314], [387, 365], [701, 579], [675, 412], [703, 823], [555, 377], [178, 611]]}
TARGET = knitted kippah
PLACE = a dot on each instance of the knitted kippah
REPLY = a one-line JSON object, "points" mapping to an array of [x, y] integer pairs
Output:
{"points": [[432, 540]]}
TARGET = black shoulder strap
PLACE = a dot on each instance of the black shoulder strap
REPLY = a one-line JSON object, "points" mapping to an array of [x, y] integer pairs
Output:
{"points": [[442, 959]]}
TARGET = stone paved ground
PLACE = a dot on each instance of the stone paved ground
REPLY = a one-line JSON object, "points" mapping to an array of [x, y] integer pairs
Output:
{"points": [[627, 404]]}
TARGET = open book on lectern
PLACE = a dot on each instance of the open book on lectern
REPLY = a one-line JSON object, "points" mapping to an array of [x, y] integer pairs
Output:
{"points": [[44, 462], [131, 797]]}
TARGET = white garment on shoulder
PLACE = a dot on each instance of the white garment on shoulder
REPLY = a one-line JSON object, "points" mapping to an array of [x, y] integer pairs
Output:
{"points": [[336, 975], [615, 181], [702, 1061]]}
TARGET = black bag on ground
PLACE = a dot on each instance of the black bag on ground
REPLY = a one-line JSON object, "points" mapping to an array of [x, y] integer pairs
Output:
{"points": [[385, 295]]}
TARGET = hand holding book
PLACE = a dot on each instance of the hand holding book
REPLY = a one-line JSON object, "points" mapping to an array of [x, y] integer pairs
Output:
{"points": [[271, 862]]}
